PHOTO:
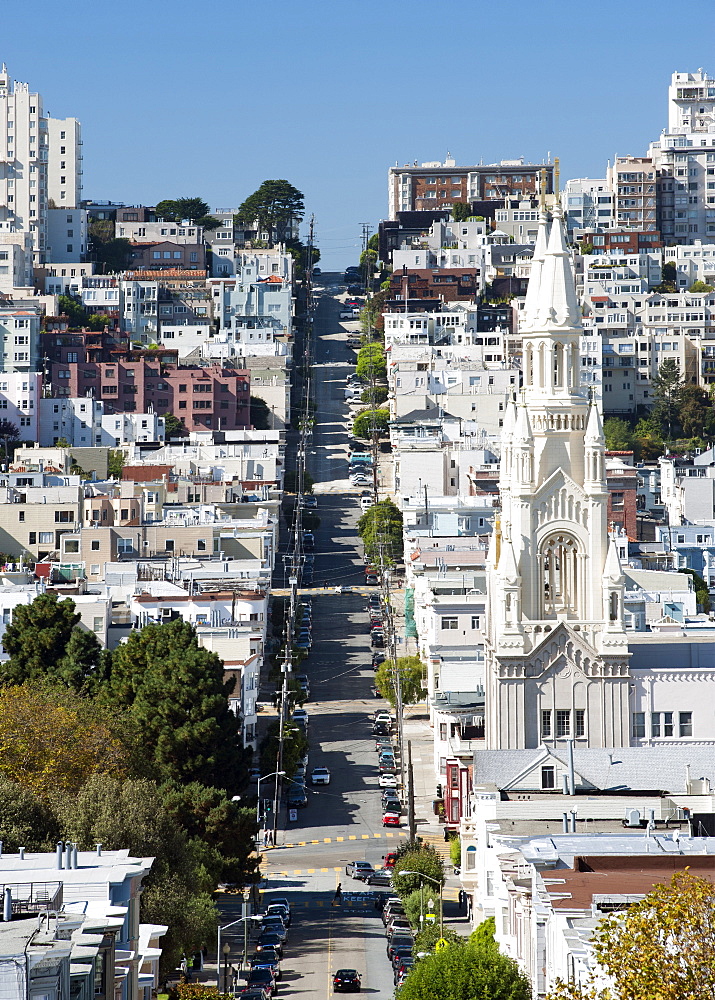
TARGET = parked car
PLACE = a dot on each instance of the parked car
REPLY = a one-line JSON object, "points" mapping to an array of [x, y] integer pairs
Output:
{"points": [[371, 578], [346, 314], [391, 804], [382, 715], [398, 942], [320, 776], [376, 639], [296, 798], [387, 780], [263, 979], [283, 911], [300, 715], [380, 877], [346, 981], [268, 959], [269, 939], [274, 923], [308, 502], [359, 870]]}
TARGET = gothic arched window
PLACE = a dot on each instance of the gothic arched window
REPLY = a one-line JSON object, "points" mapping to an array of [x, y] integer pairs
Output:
{"points": [[559, 567]]}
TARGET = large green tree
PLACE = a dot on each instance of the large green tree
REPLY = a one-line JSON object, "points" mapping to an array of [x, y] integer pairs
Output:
{"points": [[44, 640], [662, 948], [25, 819], [461, 211], [410, 670], [274, 208], [196, 210], [466, 972], [667, 385], [111, 253], [417, 858], [371, 422], [618, 434], [380, 529], [175, 692], [371, 362]]}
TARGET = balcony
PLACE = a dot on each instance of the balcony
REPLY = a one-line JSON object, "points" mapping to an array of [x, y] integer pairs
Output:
{"points": [[29, 898]]}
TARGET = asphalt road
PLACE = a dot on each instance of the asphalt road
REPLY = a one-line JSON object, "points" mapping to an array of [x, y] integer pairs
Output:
{"points": [[347, 812]]}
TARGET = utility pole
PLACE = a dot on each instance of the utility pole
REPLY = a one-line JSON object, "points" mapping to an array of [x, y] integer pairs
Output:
{"points": [[412, 826]]}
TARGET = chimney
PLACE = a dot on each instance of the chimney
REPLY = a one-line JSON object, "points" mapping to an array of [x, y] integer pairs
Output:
{"points": [[68, 855], [74, 855], [99, 850], [59, 852], [7, 906], [22, 853]]}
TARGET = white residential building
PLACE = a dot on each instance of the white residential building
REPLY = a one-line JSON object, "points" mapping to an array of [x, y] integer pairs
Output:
{"points": [[159, 232], [19, 340], [464, 389], [132, 428], [138, 305], [449, 328], [587, 204], [24, 150], [16, 254], [82, 422], [66, 234], [20, 399], [255, 307], [63, 278], [64, 163]]}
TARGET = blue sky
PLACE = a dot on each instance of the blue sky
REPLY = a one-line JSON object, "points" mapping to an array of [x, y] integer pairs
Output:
{"points": [[213, 97]]}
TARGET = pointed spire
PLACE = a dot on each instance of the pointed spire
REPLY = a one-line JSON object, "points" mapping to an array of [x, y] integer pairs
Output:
{"points": [[507, 569], [557, 308], [594, 427], [522, 431], [612, 570], [537, 262], [509, 423]]}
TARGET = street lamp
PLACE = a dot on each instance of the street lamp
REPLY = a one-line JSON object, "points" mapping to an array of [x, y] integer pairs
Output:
{"points": [[263, 777], [226, 949], [435, 881]]}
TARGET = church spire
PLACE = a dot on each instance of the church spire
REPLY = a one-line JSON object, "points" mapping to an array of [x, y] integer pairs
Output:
{"points": [[537, 262], [557, 306]]}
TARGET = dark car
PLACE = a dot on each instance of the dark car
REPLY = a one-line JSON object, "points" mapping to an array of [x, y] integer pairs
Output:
{"points": [[296, 798], [399, 955], [380, 877], [269, 939], [268, 959], [377, 640], [355, 289], [251, 992], [397, 942], [403, 968], [346, 981], [263, 979]]}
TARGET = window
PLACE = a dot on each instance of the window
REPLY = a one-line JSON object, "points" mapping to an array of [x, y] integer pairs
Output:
{"points": [[95, 545], [98, 624], [548, 776], [170, 545], [32, 538], [21, 515], [685, 723], [201, 545], [661, 724], [46, 538], [476, 621], [545, 723], [638, 725], [450, 623], [443, 730], [64, 516], [125, 545], [580, 722], [71, 545], [563, 722]]}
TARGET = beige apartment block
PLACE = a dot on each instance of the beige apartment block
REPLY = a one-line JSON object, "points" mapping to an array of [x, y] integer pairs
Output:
{"points": [[36, 528]]}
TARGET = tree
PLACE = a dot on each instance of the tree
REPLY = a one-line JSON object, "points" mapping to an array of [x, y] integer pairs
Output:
{"points": [[25, 819], [115, 463], [112, 254], [700, 286], [9, 430], [177, 891], [371, 362], [702, 595], [669, 276], [418, 858], [174, 426], [295, 747], [72, 309], [648, 439], [380, 529], [465, 972], [51, 741], [274, 208], [695, 411], [41, 643], [461, 211], [411, 672], [371, 422], [667, 385], [618, 434], [662, 947], [260, 414], [196, 210], [174, 691], [98, 321], [374, 396]]}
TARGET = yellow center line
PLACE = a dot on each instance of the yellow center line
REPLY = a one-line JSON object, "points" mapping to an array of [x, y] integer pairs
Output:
{"points": [[365, 836], [340, 839]]}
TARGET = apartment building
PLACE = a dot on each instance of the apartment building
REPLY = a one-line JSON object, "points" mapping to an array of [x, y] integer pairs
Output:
{"points": [[428, 288], [19, 340], [632, 180], [67, 235], [437, 185], [168, 255], [464, 389], [587, 203], [255, 307], [159, 231], [33, 519], [62, 277], [693, 262], [150, 300], [64, 163], [20, 400], [456, 327], [24, 147], [16, 270], [211, 397], [83, 422]]}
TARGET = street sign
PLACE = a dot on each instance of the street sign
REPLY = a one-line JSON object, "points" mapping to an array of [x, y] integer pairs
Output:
{"points": [[442, 943], [292, 815]]}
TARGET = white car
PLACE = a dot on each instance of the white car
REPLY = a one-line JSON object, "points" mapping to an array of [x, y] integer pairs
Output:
{"points": [[387, 781], [365, 503], [320, 776]]}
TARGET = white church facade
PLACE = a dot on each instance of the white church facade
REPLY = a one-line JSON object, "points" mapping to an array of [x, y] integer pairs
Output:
{"points": [[560, 668]]}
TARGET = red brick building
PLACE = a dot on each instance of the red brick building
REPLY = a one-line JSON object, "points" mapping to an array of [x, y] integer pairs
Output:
{"points": [[211, 398], [625, 241], [427, 289], [622, 482]]}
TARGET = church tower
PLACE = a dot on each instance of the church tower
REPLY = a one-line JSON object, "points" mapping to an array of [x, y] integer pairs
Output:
{"points": [[557, 652]]}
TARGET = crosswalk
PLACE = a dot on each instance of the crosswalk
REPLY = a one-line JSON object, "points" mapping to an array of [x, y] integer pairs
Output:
{"points": [[386, 834]]}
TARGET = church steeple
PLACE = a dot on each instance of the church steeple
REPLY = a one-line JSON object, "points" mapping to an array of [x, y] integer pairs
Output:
{"points": [[555, 639]]}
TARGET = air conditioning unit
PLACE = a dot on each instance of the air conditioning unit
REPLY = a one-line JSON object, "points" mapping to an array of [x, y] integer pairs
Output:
{"points": [[633, 818]]}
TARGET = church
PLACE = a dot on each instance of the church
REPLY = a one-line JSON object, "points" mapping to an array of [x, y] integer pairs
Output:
{"points": [[563, 679]]}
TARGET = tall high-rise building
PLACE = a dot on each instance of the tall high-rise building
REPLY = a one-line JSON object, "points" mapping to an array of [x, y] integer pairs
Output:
{"points": [[64, 163], [24, 146]]}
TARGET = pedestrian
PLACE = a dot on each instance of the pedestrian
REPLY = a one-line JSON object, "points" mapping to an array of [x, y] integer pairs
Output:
{"points": [[325, 584], [462, 899], [338, 897], [265, 838]]}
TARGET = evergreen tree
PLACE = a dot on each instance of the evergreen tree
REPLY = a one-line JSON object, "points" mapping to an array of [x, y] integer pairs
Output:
{"points": [[25, 819], [44, 640], [275, 207], [667, 385], [175, 692]]}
